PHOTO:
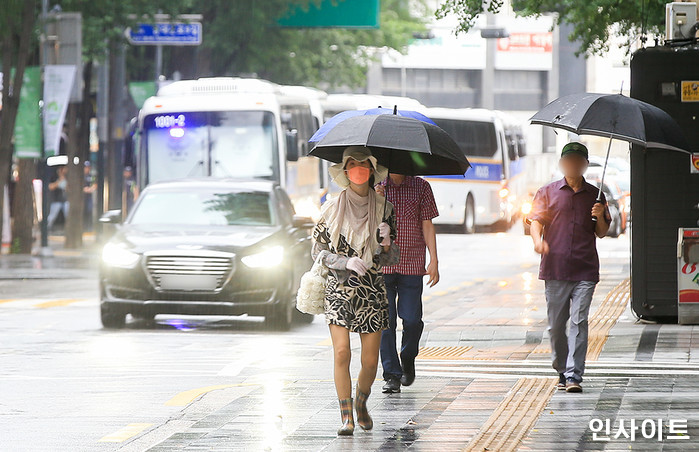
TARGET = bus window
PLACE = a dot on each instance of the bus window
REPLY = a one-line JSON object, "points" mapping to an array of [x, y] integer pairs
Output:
{"points": [[511, 140], [521, 144], [299, 118], [177, 145], [475, 138], [243, 144]]}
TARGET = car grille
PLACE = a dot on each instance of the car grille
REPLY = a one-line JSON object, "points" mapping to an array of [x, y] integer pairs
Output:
{"points": [[218, 267]]}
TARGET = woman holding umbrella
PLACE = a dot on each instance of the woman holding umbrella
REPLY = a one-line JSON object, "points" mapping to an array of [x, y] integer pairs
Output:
{"points": [[355, 298]]}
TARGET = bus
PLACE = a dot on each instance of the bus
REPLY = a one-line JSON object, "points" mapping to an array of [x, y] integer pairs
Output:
{"points": [[337, 103], [490, 193], [229, 127]]}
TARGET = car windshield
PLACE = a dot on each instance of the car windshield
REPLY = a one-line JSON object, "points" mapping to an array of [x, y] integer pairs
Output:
{"points": [[204, 208]]}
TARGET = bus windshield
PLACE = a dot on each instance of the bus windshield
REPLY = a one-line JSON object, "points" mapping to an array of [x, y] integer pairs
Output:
{"points": [[240, 144], [475, 138]]}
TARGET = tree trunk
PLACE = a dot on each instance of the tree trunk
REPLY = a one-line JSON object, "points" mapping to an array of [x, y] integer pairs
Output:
{"points": [[15, 50], [75, 183], [23, 208]]}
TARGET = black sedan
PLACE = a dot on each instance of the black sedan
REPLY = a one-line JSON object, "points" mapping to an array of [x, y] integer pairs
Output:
{"points": [[205, 247]]}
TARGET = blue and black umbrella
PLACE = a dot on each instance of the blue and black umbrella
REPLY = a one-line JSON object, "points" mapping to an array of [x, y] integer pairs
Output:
{"points": [[404, 141]]}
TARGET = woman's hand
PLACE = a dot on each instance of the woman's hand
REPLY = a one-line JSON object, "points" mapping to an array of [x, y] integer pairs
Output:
{"points": [[357, 265], [385, 234], [380, 190]]}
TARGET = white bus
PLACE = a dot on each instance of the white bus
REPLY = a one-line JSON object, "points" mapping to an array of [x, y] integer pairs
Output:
{"points": [[229, 127], [491, 191], [336, 103]]}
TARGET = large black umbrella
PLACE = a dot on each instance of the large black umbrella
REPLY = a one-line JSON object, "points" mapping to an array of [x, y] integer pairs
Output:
{"points": [[402, 144], [616, 117]]}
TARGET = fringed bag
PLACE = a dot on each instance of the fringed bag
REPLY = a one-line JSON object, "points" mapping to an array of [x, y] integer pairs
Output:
{"points": [[311, 295]]}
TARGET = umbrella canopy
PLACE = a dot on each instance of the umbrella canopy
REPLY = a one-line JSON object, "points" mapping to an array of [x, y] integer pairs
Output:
{"points": [[614, 116], [402, 144], [338, 118]]}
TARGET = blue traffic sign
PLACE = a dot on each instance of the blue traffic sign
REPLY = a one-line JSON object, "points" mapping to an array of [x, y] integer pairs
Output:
{"points": [[166, 33]]}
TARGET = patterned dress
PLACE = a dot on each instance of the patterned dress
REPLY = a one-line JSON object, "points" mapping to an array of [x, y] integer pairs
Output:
{"points": [[356, 303]]}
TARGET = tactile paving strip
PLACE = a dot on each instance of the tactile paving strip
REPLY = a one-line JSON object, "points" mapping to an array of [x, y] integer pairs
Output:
{"points": [[514, 417], [443, 352]]}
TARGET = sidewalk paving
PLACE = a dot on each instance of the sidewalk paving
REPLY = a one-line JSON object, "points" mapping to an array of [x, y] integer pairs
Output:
{"points": [[484, 383], [61, 264]]}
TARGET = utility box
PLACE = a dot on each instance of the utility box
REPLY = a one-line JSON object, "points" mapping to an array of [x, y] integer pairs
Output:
{"points": [[688, 276], [664, 187], [680, 17]]}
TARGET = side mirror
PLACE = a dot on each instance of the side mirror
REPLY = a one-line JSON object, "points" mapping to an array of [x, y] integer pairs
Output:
{"points": [[111, 217], [292, 145], [302, 222]]}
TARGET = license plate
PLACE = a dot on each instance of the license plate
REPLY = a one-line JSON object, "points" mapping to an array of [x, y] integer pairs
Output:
{"points": [[188, 282]]}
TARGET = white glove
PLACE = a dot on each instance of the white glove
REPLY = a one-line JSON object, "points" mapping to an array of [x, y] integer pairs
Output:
{"points": [[357, 265], [385, 233]]}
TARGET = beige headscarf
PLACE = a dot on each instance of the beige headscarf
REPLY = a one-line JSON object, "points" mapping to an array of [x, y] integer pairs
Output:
{"points": [[353, 216]]}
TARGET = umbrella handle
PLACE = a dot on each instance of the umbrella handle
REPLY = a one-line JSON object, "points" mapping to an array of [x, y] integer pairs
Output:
{"points": [[594, 218]]}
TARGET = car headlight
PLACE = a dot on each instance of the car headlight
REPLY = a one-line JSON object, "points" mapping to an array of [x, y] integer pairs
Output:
{"points": [[271, 257], [526, 208], [117, 256]]}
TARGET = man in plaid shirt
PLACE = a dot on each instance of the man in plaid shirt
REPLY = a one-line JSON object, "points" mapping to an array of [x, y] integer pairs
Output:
{"points": [[415, 208]]}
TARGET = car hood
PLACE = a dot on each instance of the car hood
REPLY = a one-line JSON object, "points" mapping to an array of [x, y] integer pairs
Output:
{"points": [[231, 239]]}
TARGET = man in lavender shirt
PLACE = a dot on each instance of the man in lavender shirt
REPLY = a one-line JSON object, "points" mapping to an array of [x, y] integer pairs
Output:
{"points": [[563, 231]]}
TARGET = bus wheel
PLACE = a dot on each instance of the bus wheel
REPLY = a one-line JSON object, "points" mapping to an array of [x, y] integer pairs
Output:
{"points": [[469, 225]]}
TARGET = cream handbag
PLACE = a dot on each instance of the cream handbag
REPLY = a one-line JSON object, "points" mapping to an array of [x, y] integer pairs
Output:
{"points": [[311, 295]]}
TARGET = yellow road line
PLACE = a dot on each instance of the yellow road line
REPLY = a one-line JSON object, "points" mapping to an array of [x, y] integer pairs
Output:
{"points": [[56, 303], [7, 300], [186, 397], [125, 433], [515, 416]]}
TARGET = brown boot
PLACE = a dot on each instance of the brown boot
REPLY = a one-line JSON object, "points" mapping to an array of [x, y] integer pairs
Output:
{"points": [[363, 418], [347, 418]]}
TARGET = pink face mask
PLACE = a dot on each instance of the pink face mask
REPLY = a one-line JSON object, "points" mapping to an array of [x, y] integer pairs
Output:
{"points": [[359, 174]]}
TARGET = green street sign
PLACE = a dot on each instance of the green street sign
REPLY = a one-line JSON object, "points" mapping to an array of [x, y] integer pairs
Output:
{"points": [[28, 124], [140, 91], [333, 14]]}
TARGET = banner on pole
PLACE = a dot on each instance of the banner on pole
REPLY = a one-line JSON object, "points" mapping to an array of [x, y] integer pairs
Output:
{"points": [[58, 84], [28, 125]]}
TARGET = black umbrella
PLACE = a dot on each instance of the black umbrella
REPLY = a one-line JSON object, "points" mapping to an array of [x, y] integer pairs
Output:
{"points": [[614, 116], [403, 145]]}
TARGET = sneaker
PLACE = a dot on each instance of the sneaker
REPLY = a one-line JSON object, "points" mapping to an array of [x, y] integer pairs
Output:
{"points": [[561, 382], [573, 386], [392, 386]]}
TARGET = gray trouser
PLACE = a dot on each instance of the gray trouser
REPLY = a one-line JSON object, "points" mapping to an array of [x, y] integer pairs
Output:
{"points": [[569, 300]]}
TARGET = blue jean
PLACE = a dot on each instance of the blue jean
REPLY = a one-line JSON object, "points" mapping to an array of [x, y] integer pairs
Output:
{"points": [[408, 289], [54, 209], [569, 300]]}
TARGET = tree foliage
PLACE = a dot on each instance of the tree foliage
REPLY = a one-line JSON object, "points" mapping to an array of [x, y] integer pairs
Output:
{"points": [[243, 37], [593, 20]]}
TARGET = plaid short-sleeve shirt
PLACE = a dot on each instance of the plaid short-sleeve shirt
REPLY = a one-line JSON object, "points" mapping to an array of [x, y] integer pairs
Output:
{"points": [[413, 202]]}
